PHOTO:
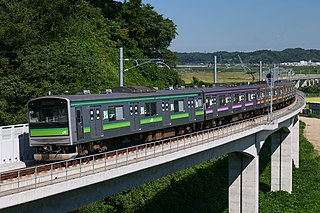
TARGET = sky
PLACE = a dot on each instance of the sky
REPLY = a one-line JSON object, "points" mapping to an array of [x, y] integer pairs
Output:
{"points": [[242, 25]]}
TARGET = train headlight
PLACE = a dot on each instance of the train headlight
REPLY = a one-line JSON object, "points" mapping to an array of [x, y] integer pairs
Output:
{"points": [[46, 148]]}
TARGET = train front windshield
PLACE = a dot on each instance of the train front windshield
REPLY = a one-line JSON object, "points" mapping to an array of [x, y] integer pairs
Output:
{"points": [[48, 117]]}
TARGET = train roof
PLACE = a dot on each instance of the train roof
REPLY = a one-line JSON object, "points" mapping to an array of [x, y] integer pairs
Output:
{"points": [[126, 93]]}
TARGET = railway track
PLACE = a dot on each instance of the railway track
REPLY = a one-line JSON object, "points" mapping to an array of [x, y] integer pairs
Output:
{"points": [[31, 177]]}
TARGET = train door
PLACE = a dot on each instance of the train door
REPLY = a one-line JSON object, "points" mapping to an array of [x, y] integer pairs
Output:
{"points": [[192, 111], [134, 114], [79, 124], [95, 122], [165, 108]]}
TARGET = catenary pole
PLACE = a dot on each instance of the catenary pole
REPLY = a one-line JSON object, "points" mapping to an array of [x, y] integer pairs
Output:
{"points": [[215, 69], [260, 73], [121, 67]]}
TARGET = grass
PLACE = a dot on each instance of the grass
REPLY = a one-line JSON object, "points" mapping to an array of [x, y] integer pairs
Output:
{"points": [[207, 77], [224, 74], [234, 73], [312, 99]]}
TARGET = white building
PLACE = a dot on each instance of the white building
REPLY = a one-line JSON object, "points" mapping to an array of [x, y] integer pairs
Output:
{"points": [[301, 63]]}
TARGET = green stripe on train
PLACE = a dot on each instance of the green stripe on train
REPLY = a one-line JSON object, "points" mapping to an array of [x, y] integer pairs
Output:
{"points": [[150, 120], [200, 112], [49, 132], [116, 125], [86, 129], [177, 116]]}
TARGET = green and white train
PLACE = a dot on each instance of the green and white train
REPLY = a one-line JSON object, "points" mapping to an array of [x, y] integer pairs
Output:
{"points": [[63, 127]]}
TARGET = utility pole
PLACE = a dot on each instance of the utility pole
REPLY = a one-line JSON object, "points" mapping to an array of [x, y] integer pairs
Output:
{"points": [[121, 67], [215, 70], [270, 82], [260, 73]]}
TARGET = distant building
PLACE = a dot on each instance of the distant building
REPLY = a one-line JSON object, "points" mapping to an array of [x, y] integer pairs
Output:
{"points": [[314, 108], [192, 65], [301, 63]]}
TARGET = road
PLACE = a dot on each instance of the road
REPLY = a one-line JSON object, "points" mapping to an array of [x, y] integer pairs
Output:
{"points": [[311, 131]]}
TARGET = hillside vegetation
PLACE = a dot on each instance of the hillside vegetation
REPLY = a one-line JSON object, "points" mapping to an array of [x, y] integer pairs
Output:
{"points": [[74, 45], [266, 56]]}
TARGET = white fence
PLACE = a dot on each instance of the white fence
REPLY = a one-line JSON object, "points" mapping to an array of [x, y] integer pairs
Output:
{"points": [[14, 144]]}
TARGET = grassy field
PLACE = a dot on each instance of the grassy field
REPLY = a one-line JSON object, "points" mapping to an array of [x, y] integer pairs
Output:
{"points": [[207, 77], [234, 73], [313, 99]]}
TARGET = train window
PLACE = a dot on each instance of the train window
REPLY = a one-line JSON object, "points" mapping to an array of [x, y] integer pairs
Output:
{"points": [[213, 101], [115, 113], [150, 109], [253, 97], [208, 102], [242, 97], [178, 106], [236, 98], [190, 104], [162, 107], [258, 95], [228, 99], [199, 103], [98, 114], [78, 117], [222, 100], [40, 113], [136, 109], [131, 110], [91, 114], [119, 113]]}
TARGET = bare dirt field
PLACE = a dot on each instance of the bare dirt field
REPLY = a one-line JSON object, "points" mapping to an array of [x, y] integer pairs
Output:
{"points": [[312, 131]]}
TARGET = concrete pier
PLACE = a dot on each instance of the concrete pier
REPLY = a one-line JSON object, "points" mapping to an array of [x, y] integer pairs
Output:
{"points": [[243, 183], [281, 161], [244, 165], [295, 142]]}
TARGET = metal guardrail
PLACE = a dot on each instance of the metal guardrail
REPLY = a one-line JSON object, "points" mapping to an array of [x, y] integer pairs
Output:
{"points": [[79, 167]]}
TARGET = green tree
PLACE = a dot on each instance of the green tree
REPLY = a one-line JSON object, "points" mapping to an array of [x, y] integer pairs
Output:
{"points": [[73, 45], [152, 33]]}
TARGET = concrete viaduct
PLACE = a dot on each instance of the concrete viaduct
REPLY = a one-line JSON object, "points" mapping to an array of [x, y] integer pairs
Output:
{"points": [[304, 80], [69, 188]]}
